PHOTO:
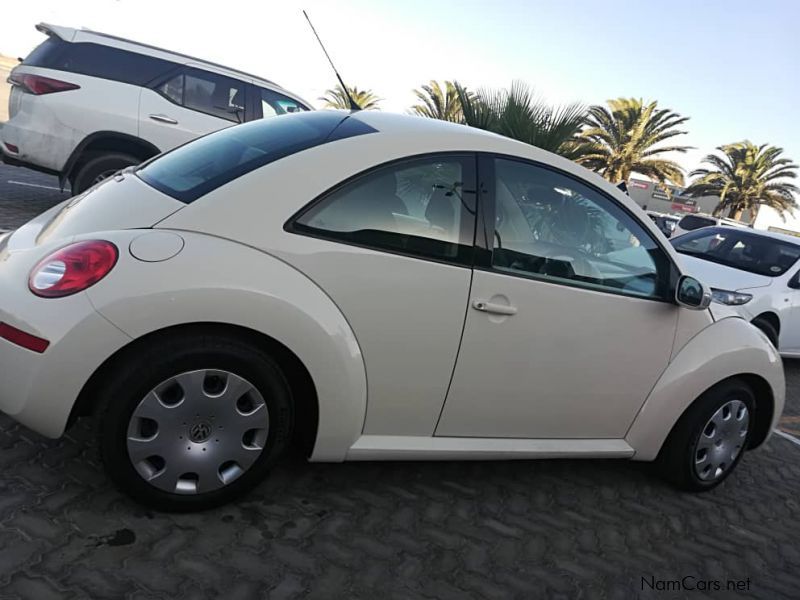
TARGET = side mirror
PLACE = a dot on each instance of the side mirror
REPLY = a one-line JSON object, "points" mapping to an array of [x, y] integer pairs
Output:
{"points": [[692, 294], [794, 282]]}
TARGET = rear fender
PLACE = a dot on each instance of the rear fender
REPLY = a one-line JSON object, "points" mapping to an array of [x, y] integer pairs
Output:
{"points": [[220, 281]]}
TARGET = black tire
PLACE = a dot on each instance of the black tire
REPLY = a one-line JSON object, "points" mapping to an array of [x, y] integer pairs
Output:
{"points": [[676, 461], [138, 372], [102, 165], [768, 329]]}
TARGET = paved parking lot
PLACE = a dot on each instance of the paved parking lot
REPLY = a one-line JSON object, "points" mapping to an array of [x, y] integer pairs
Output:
{"points": [[549, 529]]}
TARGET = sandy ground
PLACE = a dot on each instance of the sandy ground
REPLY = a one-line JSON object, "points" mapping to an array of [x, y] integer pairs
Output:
{"points": [[6, 64]]}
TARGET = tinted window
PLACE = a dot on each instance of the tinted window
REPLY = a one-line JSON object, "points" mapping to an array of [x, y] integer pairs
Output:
{"points": [[692, 222], [216, 95], [423, 207], [99, 61], [550, 226], [196, 168], [273, 103], [46, 53], [753, 253]]}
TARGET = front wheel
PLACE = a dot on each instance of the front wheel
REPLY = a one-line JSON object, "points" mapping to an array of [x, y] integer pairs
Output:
{"points": [[708, 441], [768, 329], [193, 422]]}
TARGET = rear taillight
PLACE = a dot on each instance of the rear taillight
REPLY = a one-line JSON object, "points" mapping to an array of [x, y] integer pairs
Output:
{"points": [[73, 268], [38, 85]]}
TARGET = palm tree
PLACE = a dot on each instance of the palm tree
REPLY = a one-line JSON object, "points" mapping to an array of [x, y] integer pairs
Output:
{"points": [[438, 103], [516, 113], [745, 177], [337, 98], [623, 138]]}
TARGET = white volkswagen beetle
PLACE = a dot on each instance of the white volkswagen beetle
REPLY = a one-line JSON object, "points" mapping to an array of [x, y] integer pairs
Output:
{"points": [[377, 287]]}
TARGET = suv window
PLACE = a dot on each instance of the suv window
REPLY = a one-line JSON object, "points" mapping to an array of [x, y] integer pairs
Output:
{"points": [[424, 207], [550, 226], [97, 60], [692, 222], [196, 168], [272, 103], [749, 252], [213, 94]]}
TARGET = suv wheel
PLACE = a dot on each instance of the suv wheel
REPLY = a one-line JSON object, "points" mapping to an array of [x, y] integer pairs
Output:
{"points": [[99, 168], [708, 441], [197, 428]]}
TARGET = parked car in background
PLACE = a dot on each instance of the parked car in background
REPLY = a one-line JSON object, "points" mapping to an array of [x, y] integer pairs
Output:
{"points": [[85, 104], [336, 278], [755, 272], [666, 223], [692, 222]]}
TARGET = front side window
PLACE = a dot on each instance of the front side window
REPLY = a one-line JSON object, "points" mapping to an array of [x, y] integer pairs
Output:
{"points": [[749, 252], [423, 207], [273, 103], [205, 92], [553, 227]]}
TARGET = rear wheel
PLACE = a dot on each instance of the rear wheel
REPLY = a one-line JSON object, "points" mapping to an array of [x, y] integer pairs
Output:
{"points": [[768, 328], [99, 168], [709, 439], [197, 428]]}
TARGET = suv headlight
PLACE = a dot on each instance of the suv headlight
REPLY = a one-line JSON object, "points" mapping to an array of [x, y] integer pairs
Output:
{"points": [[730, 298]]}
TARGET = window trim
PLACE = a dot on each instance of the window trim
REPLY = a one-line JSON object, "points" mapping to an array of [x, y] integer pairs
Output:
{"points": [[485, 222], [184, 70], [465, 257]]}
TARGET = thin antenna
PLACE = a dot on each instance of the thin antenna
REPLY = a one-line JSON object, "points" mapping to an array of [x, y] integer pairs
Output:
{"points": [[353, 105]]}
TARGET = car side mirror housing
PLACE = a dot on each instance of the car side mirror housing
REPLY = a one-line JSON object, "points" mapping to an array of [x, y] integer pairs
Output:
{"points": [[794, 282], [692, 294]]}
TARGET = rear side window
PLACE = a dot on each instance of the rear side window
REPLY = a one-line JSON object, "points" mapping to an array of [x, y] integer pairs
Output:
{"points": [[196, 168], [98, 61], [272, 103], [692, 222], [213, 94]]}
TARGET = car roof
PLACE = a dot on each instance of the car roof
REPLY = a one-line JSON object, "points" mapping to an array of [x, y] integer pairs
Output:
{"points": [[70, 34], [752, 232]]}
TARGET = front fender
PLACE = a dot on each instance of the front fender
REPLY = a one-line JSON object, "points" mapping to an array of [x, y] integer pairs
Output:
{"points": [[726, 348], [216, 280]]}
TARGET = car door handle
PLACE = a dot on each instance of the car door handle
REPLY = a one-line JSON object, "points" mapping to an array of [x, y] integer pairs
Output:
{"points": [[164, 119], [491, 307]]}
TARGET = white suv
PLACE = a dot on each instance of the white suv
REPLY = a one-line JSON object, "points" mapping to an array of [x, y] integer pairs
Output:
{"points": [[85, 104], [692, 222]]}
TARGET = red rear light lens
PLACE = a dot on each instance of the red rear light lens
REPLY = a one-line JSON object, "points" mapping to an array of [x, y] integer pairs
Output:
{"points": [[20, 338], [73, 268], [38, 85]]}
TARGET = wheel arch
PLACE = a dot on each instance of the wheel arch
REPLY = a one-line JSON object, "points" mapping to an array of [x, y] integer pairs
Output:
{"points": [[106, 141], [771, 317], [747, 355], [302, 386]]}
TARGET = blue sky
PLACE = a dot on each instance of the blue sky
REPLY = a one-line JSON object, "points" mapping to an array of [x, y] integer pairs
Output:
{"points": [[731, 66]]}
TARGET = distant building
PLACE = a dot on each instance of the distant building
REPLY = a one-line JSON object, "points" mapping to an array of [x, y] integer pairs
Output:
{"points": [[653, 196]]}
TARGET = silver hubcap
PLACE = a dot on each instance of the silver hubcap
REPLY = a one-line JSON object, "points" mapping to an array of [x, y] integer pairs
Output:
{"points": [[198, 431], [721, 440]]}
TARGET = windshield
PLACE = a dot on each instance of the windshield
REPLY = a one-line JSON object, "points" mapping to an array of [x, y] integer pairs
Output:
{"points": [[196, 168], [749, 252]]}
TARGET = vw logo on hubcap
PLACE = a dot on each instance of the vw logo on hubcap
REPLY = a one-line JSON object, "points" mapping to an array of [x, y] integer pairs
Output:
{"points": [[200, 432]]}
